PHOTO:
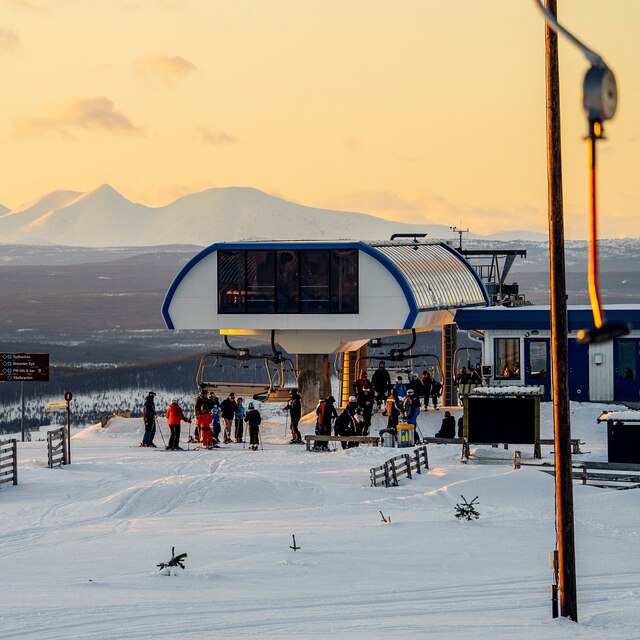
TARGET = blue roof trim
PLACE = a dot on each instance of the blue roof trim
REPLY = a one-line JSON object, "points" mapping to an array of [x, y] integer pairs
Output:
{"points": [[472, 270], [524, 319], [243, 246]]}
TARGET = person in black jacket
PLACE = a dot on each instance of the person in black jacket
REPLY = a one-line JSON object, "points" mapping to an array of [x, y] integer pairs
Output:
{"points": [[294, 407], [326, 413], [149, 417], [346, 426], [228, 413], [253, 419], [448, 426], [365, 407], [381, 381]]}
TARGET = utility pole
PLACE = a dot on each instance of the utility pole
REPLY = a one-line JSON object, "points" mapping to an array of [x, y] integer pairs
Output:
{"points": [[559, 336]]}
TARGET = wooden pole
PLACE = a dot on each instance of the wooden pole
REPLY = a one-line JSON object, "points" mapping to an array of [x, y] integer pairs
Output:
{"points": [[559, 336]]}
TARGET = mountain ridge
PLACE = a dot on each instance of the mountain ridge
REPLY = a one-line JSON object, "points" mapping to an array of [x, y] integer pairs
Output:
{"points": [[104, 217]]}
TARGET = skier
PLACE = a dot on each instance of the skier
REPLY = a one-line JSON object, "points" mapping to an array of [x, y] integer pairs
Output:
{"points": [[149, 417], [175, 416], [201, 407], [411, 407], [416, 385], [216, 426], [346, 426], [361, 383], [206, 436], [426, 388], [240, 413], [365, 406], [253, 419], [228, 413], [294, 407], [436, 389], [381, 381]]}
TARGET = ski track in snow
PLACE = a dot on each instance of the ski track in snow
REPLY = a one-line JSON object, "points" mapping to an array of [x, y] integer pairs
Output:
{"points": [[80, 545]]}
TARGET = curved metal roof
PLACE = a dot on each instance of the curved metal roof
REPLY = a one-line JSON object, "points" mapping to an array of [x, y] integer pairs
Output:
{"points": [[438, 276]]}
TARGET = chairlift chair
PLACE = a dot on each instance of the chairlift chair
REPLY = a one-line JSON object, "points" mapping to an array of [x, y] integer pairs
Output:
{"points": [[274, 389]]}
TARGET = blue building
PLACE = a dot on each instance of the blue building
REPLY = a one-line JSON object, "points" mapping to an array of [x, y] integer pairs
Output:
{"points": [[516, 350]]}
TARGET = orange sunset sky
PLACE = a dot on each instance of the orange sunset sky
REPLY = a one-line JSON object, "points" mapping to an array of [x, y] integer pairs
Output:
{"points": [[414, 110]]}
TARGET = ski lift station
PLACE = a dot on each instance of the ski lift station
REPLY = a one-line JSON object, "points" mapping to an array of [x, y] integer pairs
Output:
{"points": [[516, 350], [322, 297]]}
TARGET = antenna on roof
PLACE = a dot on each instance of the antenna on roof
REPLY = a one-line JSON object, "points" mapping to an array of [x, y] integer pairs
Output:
{"points": [[459, 232], [415, 237]]}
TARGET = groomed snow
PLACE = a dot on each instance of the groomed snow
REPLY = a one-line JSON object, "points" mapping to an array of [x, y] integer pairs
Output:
{"points": [[79, 545]]}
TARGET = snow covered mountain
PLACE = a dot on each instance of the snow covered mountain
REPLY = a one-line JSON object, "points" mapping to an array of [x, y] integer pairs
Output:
{"points": [[104, 217]]}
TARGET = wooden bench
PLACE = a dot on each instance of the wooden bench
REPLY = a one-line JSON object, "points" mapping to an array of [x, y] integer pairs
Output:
{"points": [[434, 440], [575, 444], [372, 440], [605, 474]]}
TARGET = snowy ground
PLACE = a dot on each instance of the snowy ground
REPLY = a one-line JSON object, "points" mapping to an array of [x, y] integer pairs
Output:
{"points": [[79, 545]]}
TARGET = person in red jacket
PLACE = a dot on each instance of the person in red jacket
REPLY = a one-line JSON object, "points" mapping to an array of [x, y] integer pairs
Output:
{"points": [[175, 416]]}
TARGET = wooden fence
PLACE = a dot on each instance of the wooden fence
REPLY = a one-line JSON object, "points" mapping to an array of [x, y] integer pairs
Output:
{"points": [[387, 475], [57, 447], [9, 461]]}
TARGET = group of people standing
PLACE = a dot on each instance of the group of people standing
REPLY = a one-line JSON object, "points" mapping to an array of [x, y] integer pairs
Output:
{"points": [[215, 420], [211, 417]]}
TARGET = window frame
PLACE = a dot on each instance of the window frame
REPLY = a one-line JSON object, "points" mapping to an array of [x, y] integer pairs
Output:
{"points": [[498, 368]]}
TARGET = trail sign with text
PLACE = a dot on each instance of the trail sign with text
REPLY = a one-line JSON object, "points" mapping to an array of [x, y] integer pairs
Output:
{"points": [[24, 367]]}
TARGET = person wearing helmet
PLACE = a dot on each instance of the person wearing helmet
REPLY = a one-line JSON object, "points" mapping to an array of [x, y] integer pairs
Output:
{"points": [[400, 387], [149, 418], [201, 407], [216, 426], [416, 385], [238, 434], [365, 408], [253, 419], [175, 416], [411, 408], [294, 407]]}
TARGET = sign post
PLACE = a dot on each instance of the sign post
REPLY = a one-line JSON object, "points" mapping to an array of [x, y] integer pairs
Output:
{"points": [[24, 367], [68, 396]]}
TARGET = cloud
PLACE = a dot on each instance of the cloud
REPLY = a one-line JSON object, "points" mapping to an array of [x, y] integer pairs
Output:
{"points": [[89, 114], [165, 68], [9, 40], [214, 138], [22, 4]]}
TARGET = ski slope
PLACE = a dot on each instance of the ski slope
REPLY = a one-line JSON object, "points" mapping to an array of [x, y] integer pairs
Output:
{"points": [[79, 545]]}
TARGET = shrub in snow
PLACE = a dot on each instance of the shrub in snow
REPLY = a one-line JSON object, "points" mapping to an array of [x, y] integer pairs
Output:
{"points": [[170, 568], [467, 510]]}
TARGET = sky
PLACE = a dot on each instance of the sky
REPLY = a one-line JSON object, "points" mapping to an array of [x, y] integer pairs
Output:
{"points": [[419, 111]]}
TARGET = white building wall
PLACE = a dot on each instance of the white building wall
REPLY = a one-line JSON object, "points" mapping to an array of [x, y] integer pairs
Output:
{"points": [[382, 304], [601, 372]]}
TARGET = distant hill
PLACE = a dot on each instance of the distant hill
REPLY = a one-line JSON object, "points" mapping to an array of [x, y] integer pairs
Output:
{"points": [[103, 218]]}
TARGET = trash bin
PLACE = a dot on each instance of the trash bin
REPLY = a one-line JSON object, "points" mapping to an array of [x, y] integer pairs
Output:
{"points": [[388, 437], [406, 434]]}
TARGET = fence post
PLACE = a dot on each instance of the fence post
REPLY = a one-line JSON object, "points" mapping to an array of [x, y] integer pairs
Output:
{"points": [[407, 457], [66, 447], [49, 458], [417, 454], [394, 475], [426, 457], [584, 474], [15, 461]]}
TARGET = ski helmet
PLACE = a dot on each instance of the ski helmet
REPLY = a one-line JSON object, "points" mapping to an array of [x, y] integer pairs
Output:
{"points": [[352, 399], [250, 405], [174, 401], [409, 392]]}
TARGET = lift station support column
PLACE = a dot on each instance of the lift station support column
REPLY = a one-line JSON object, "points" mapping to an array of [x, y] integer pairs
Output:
{"points": [[314, 379], [349, 373], [449, 343]]}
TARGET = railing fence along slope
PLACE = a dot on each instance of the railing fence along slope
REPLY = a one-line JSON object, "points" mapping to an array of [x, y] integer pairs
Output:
{"points": [[387, 474], [8, 461]]}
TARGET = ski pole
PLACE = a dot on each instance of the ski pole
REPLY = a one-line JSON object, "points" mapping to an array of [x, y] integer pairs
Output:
{"points": [[157, 425], [189, 440]]}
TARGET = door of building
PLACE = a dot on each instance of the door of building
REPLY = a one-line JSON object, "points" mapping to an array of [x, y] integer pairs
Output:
{"points": [[626, 356], [537, 370], [578, 371]]}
